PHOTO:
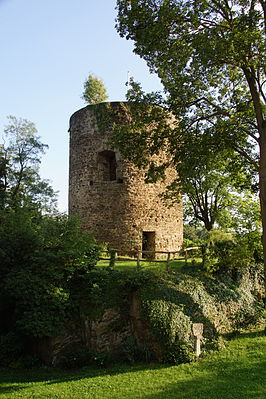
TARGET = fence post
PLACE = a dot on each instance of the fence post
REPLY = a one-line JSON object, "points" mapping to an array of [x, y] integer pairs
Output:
{"points": [[112, 258], [168, 262], [138, 259], [185, 257]]}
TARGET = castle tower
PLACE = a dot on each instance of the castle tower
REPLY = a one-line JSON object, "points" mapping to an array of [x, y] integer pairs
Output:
{"points": [[110, 194]]}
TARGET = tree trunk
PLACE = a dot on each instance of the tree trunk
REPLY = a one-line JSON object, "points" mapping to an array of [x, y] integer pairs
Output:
{"points": [[258, 105], [262, 183]]}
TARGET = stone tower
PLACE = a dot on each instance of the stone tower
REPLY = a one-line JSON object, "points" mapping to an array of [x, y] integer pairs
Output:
{"points": [[110, 194]]}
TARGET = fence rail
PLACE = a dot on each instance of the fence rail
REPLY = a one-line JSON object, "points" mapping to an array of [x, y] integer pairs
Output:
{"points": [[138, 256]]}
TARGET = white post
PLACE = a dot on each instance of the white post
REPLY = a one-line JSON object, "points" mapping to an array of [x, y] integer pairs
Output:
{"points": [[197, 331]]}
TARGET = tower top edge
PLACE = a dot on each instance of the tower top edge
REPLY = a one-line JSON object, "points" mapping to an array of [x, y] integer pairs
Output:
{"points": [[93, 106]]}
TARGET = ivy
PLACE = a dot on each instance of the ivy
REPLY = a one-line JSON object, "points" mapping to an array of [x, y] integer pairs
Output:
{"points": [[103, 115]]}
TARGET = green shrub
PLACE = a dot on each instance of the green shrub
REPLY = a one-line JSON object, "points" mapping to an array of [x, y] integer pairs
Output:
{"points": [[132, 353], [102, 359], [179, 352], [76, 356], [11, 348], [26, 361], [232, 254], [42, 261], [249, 316], [216, 344]]}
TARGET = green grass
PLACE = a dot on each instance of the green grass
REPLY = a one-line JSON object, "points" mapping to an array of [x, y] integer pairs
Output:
{"points": [[237, 372], [130, 265]]}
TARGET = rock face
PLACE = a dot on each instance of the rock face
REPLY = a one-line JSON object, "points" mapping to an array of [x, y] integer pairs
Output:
{"points": [[148, 312], [110, 194], [105, 334]]}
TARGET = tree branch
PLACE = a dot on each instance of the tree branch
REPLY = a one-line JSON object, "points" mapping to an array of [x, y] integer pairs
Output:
{"points": [[247, 157]]}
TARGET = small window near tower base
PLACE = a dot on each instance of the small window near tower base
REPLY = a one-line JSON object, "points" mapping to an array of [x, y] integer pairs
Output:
{"points": [[148, 244]]}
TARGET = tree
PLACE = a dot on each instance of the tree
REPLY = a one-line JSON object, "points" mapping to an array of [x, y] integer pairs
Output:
{"points": [[20, 182], [206, 176], [43, 259], [210, 56], [94, 90]]}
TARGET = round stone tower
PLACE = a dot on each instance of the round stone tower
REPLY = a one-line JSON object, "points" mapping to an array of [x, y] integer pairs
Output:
{"points": [[110, 194]]}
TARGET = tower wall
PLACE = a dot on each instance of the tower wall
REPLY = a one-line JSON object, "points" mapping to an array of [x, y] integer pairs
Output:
{"points": [[110, 194]]}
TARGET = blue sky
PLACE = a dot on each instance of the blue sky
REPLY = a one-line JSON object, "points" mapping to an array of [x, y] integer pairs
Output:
{"points": [[48, 48]]}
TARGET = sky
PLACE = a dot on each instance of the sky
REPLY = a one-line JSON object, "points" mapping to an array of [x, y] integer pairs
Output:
{"points": [[48, 48]]}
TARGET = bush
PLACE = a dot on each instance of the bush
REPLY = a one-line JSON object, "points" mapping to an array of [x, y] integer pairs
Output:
{"points": [[249, 317], [102, 359], [76, 356], [216, 344], [132, 353], [11, 348], [232, 254], [179, 352], [43, 259]]}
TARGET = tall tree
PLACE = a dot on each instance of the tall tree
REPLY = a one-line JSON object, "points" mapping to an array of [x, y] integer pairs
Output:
{"points": [[210, 56], [20, 182], [206, 174], [94, 90]]}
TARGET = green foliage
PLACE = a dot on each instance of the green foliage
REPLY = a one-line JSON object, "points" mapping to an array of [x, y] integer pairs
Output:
{"points": [[206, 174], [11, 348], [76, 356], [179, 352], [42, 259], [210, 57], [103, 114], [168, 320], [223, 252], [172, 303], [20, 183], [110, 288], [94, 90], [243, 213], [235, 254], [193, 236], [132, 353], [249, 317], [13, 352], [169, 306]]}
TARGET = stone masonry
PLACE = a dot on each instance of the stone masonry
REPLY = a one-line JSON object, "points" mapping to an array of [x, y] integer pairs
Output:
{"points": [[110, 194]]}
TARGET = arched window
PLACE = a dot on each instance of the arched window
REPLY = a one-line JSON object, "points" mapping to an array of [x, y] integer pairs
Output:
{"points": [[107, 165]]}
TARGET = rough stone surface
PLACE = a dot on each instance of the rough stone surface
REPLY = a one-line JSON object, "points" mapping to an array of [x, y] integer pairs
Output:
{"points": [[105, 334], [117, 206]]}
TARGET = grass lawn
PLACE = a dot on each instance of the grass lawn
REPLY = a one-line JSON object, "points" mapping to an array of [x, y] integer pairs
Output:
{"points": [[237, 372], [130, 265]]}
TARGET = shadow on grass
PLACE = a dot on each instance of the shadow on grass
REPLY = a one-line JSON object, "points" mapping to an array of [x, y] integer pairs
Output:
{"points": [[244, 335], [239, 372], [48, 375], [10, 389], [230, 382]]}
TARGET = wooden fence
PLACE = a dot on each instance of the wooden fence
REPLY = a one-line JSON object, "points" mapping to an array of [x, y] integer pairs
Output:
{"points": [[146, 256]]}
